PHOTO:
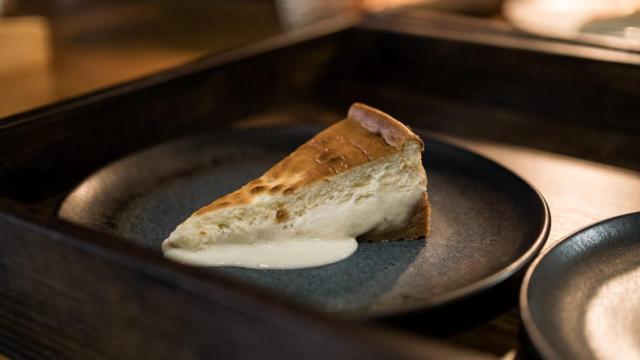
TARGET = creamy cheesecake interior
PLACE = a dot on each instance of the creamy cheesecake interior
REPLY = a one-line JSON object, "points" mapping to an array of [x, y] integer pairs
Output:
{"points": [[315, 227], [360, 178]]}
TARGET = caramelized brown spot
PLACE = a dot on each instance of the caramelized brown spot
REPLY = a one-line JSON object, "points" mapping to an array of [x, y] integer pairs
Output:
{"points": [[258, 189], [282, 214], [202, 233], [365, 134], [285, 162], [336, 159], [170, 245], [276, 188], [214, 205]]}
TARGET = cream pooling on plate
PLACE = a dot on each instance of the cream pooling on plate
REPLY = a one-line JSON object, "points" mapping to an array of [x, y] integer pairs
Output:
{"points": [[360, 177]]}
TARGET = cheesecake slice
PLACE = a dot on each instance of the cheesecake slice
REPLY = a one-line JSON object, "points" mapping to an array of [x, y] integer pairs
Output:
{"points": [[360, 178]]}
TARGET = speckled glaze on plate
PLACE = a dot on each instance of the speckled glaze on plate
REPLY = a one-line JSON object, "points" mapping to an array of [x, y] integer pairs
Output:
{"points": [[581, 299], [487, 223]]}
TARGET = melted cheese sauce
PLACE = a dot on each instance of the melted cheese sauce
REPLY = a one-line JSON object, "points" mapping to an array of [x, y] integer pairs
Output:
{"points": [[324, 235], [286, 254]]}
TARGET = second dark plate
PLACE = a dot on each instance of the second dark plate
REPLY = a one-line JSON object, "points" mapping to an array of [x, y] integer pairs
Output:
{"points": [[581, 300], [487, 223]]}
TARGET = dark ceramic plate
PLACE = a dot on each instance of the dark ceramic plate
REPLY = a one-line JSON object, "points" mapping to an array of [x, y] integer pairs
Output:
{"points": [[581, 300], [487, 222]]}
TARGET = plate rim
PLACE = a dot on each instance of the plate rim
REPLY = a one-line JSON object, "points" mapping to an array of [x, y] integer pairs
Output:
{"points": [[507, 272], [542, 346], [467, 291]]}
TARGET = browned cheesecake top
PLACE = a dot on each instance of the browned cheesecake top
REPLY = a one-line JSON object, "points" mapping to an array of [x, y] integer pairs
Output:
{"points": [[366, 134]]}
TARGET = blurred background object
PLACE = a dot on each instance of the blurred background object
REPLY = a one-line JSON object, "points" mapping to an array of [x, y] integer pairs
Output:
{"points": [[612, 23], [295, 13], [25, 63], [54, 50]]}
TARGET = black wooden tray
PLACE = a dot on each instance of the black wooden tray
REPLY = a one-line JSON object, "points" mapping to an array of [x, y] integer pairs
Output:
{"points": [[70, 292]]}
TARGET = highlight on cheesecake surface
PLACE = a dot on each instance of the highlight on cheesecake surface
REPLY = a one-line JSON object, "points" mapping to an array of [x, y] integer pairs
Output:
{"points": [[360, 178]]}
